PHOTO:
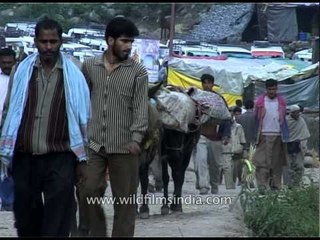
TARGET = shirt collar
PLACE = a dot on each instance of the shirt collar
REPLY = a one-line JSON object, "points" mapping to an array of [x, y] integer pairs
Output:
{"points": [[57, 65], [99, 60]]}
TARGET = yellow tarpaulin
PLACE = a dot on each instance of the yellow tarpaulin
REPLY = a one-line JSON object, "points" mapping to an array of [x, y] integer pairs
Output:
{"points": [[176, 78]]}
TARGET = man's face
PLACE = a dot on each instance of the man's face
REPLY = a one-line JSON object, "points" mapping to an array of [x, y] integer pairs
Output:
{"points": [[48, 44], [6, 64], [236, 115], [121, 47], [295, 114], [207, 85], [272, 91]]}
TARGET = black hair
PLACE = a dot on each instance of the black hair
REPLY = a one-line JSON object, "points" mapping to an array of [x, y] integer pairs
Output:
{"points": [[7, 52], [207, 77], [236, 109], [301, 108], [120, 26], [271, 83], [239, 102], [47, 23], [248, 104]]}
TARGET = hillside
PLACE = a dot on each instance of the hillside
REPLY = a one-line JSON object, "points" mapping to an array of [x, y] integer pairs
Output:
{"points": [[147, 17]]}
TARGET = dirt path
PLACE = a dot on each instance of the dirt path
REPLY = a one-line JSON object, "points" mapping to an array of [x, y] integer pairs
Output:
{"points": [[205, 220]]}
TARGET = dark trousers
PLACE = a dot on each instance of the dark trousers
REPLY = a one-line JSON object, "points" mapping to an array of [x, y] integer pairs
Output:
{"points": [[124, 176], [237, 170], [44, 193]]}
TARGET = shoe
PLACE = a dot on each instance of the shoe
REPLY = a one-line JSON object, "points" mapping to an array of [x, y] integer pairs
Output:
{"points": [[203, 191], [214, 191]]}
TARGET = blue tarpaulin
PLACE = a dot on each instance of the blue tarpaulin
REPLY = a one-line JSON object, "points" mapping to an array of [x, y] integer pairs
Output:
{"points": [[304, 92]]}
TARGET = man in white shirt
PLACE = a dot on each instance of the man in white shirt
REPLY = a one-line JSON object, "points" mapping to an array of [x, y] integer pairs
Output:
{"points": [[7, 61], [272, 132]]}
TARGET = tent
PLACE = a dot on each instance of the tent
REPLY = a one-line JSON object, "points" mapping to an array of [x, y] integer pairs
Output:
{"points": [[232, 75], [303, 92], [282, 21]]}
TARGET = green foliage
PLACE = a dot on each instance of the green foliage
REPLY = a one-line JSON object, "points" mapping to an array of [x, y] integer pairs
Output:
{"points": [[285, 213]]}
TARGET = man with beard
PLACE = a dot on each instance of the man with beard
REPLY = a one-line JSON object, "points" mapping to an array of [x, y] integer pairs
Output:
{"points": [[119, 97], [272, 132], [43, 135]]}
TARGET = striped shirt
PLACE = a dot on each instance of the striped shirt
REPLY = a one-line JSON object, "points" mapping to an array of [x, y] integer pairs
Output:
{"points": [[119, 104], [44, 124]]}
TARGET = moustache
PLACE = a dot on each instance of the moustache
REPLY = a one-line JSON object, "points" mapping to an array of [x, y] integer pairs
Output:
{"points": [[48, 52]]}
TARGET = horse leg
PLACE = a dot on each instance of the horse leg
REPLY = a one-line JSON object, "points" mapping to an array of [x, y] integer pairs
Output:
{"points": [[179, 165], [144, 181], [176, 165], [165, 179]]}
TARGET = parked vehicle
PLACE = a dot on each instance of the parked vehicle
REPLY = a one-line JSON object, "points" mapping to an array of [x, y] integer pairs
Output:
{"points": [[94, 43], [81, 56], [24, 43], [263, 49], [196, 51], [233, 51], [79, 33], [75, 47], [304, 55]]}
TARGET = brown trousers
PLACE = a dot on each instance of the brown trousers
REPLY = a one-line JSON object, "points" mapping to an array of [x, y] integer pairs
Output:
{"points": [[269, 159], [123, 174]]}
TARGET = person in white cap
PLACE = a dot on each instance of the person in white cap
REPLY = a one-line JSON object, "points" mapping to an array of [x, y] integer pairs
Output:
{"points": [[299, 132]]}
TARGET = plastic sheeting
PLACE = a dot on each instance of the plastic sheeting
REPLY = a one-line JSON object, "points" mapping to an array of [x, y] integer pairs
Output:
{"points": [[234, 74], [304, 92], [282, 24], [179, 79]]}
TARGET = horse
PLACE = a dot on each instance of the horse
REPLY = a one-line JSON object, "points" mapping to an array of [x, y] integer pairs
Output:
{"points": [[174, 148]]}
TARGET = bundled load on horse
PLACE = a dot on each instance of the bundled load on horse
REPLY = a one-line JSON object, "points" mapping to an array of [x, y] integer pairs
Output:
{"points": [[213, 107], [177, 110]]}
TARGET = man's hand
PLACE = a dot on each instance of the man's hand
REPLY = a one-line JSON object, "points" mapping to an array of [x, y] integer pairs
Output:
{"points": [[133, 147], [81, 172]]}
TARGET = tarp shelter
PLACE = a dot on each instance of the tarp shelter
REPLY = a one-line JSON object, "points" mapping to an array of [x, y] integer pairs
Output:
{"points": [[282, 21], [304, 92], [234, 74]]}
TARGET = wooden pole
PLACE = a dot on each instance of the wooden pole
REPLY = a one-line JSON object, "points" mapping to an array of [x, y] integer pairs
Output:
{"points": [[172, 26], [315, 49]]}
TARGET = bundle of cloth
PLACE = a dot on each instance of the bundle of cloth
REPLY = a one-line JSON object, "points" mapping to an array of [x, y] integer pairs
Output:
{"points": [[213, 106], [177, 110]]}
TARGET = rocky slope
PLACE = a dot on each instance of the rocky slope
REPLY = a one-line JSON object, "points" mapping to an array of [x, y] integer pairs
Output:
{"points": [[147, 16]]}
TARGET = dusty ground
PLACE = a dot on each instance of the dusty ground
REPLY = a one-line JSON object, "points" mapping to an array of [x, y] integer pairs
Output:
{"points": [[196, 220]]}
